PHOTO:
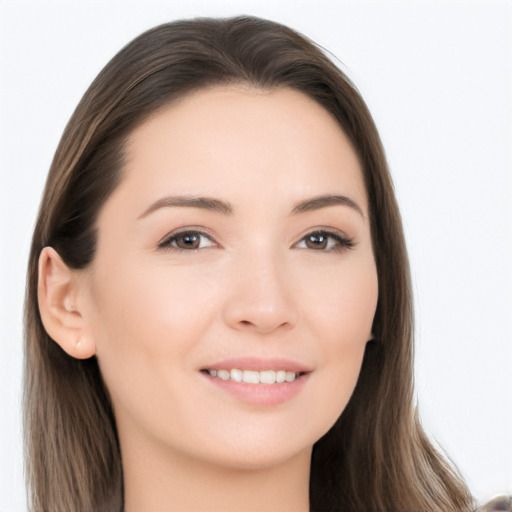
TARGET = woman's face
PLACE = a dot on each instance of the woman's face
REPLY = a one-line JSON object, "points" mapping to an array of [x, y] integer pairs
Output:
{"points": [[236, 247]]}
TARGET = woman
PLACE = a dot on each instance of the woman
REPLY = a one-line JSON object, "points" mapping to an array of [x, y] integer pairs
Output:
{"points": [[219, 312]]}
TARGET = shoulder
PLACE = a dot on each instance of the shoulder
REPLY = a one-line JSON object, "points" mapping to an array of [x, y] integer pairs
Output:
{"points": [[501, 503]]}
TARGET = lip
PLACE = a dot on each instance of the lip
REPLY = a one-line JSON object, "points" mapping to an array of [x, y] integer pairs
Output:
{"points": [[264, 395], [259, 363]]}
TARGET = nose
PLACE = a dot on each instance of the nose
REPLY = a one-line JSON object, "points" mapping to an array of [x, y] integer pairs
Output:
{"points": [[260, 296]]}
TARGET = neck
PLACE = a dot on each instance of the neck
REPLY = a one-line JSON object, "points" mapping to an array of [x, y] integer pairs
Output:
{"points": [[159, 482]]}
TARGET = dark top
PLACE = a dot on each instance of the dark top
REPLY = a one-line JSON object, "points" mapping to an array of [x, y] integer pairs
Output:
{"points": [[499, 504]]}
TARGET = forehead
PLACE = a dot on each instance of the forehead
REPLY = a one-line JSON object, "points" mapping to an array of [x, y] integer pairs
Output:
{"points": [[243, 142]]}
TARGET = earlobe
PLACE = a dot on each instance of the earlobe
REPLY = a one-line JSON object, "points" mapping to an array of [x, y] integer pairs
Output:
{"points": [[58, 293]]}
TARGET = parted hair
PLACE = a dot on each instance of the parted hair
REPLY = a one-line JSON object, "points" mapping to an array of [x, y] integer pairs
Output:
{"points": [[377, 456]]}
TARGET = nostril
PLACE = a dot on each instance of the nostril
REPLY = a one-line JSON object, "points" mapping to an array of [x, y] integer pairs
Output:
{"points": [[259, 312]]}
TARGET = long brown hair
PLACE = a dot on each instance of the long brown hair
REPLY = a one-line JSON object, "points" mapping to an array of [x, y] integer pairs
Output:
{"points": [[377, 456]]}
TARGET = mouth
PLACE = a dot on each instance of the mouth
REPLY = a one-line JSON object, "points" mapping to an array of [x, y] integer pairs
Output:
{"points": [[254, 376], [256, 381]]}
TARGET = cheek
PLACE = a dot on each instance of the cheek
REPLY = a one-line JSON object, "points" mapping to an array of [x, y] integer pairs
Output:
{"points": [[150, 304], [147, 322], [342, 312], [342, 303]]}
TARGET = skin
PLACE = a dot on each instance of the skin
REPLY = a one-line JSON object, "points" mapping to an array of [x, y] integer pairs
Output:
{"points": [[255, 286]]}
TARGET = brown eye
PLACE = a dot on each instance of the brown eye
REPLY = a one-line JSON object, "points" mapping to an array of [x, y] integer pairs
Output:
{"points": [[324, 241], [187, 241], [316, 241]]}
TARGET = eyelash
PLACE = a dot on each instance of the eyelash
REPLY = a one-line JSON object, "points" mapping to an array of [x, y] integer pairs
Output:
{"points": [[167, 242], [341, 242]]}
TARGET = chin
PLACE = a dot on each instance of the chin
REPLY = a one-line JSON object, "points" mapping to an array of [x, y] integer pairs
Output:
{"points": [[262, 459]]}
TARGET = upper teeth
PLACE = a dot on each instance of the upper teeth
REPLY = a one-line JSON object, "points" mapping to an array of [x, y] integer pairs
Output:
{"points": [[255, 377]]}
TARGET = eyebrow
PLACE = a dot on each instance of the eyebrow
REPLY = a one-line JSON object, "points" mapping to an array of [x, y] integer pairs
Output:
{"points": [[219, 206], [205, 203], [323, 201]]}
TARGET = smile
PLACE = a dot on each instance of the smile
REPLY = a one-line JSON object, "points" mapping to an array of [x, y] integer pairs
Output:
{"points": [[255, 376], [256, 381]]}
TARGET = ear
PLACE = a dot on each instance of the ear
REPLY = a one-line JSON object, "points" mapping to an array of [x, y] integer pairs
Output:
{"points": [[58, 292]]}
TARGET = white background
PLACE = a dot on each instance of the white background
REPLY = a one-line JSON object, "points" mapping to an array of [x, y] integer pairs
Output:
{"points": [[438, 78]]}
